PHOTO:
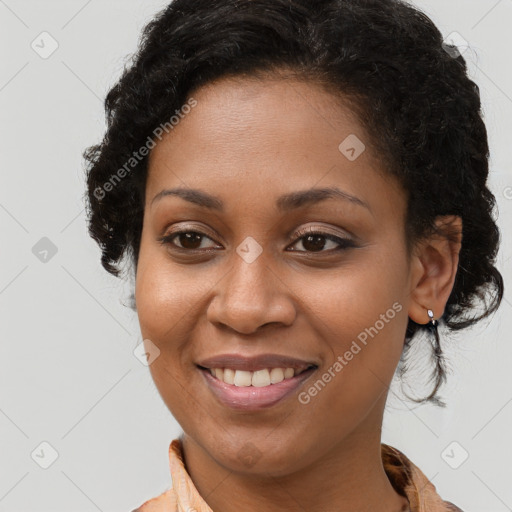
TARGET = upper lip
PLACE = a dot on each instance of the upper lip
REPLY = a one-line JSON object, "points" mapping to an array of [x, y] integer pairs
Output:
{"points": [[254, 363]]}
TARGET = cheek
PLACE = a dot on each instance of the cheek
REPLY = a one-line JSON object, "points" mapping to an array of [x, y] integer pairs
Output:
{"points": [[363, 335], [162, 295], [362, 313], [162, 301], [355, 296]]}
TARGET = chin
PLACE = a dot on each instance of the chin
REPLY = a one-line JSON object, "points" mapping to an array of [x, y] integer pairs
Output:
{"points": [[257, 458]]}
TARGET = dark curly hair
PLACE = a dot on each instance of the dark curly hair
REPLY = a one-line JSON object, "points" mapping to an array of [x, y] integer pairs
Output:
{"points": [[386, 58]]}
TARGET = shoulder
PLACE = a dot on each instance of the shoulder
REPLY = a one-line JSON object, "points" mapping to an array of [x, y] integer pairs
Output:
{"points": [[450, 507], [166, 502], [410, 481]]}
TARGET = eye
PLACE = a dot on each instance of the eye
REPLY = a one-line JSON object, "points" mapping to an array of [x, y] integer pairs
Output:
{"points": [[314, 240], [188, 240]]}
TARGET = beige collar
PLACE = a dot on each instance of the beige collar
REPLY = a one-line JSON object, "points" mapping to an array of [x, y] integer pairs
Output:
{"points": [[406, 478]]}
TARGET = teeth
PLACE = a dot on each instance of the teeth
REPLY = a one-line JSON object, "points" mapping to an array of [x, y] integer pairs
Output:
{"points": [[259, 378], [229, 376], [276, 375], [242, 379]]}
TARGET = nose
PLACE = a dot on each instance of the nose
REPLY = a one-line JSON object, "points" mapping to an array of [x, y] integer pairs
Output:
{"points": [[250, 296]]}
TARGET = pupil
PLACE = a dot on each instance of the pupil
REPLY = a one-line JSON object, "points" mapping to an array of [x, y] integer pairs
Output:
{"points": [[187, 240], [317, 242]]}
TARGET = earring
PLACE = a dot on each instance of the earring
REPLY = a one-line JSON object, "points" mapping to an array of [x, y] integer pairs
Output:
{"points": [[430, 314], [438, 357]]}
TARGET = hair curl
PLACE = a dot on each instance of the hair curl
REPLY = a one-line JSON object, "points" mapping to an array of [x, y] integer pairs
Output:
{"points": [[410, 90]]}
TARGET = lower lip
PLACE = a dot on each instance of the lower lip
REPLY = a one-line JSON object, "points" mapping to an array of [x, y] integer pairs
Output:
{"points": [[251, 397]]}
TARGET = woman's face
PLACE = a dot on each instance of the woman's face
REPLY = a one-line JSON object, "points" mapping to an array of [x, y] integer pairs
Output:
{"points": [[244, 288]]}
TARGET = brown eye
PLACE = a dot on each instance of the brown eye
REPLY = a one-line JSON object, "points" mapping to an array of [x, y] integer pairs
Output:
{"points": [[316, 241], [187, 240]]}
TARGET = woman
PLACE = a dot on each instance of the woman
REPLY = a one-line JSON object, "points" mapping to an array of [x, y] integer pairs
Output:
{"points": [[301, 189]]}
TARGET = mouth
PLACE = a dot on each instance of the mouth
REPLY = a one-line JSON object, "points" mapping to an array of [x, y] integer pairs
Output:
{"points": [[254, 383], [259, 378]]}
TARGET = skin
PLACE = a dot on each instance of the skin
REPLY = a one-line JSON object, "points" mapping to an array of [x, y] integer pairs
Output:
{"points": [[248, 142]]}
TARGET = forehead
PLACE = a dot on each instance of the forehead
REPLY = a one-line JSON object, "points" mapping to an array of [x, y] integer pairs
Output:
{"points": [[251, 136], [268, 106]]}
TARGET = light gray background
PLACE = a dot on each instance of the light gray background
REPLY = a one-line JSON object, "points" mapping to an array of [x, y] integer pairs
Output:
{"points": [[68, 375]]}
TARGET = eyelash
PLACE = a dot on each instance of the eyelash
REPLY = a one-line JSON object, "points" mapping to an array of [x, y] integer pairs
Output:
{"points": [[344, 243]]}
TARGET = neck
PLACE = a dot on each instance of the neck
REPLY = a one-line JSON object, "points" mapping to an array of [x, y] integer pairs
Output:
{"points": [[349, 476]]}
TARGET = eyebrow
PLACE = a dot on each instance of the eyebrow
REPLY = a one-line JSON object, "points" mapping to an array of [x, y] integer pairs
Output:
{"points": [[284, 203]]}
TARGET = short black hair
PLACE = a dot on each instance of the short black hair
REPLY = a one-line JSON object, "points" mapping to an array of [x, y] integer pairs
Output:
{"points": [[410, 90]]}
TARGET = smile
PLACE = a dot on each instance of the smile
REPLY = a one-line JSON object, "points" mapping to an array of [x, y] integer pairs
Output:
{"points": [[259, 378], [253, 391]]}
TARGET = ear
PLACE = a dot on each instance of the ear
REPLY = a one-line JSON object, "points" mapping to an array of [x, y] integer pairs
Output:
{"points": [[434, 266]]}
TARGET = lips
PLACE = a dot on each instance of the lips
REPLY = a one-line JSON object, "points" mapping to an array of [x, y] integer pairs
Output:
{"points": [[252, 383], [254, 363]]}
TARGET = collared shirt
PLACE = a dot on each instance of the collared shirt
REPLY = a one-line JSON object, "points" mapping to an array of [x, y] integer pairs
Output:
{"points": [[407, 479]]}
